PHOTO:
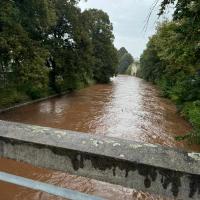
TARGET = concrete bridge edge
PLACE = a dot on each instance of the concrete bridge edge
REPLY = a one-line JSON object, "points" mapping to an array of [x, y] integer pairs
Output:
{"points": [[146, 167]]}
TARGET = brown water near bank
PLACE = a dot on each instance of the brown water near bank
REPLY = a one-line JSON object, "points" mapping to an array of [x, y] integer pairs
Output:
{"points": [[128, 108]]}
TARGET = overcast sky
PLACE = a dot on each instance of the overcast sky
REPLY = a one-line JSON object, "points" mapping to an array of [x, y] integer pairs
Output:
{"points": [[128, 18]]}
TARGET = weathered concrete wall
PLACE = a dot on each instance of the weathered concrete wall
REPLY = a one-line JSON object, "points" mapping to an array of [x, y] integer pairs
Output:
{"points": [[144, 167]]}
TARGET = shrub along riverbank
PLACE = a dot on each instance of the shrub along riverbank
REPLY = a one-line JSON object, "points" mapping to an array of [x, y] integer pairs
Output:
{"points": [[172, 61], [49, 46]]}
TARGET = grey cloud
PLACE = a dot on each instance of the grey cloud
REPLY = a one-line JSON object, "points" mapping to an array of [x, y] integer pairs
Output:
{"points": [[128, 18]]}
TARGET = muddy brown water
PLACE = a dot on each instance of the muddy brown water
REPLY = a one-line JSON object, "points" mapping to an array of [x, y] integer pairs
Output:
{"points": [[128, 108]]}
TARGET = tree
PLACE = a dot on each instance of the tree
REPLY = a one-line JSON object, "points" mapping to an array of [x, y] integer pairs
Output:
{"points": [[125, 59], [24, 58], [172, 61], [49, 46], [100, 31], [121, 52]]}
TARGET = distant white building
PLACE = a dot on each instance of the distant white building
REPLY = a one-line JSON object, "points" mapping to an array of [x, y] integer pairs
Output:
{"points": [[134, 69]]}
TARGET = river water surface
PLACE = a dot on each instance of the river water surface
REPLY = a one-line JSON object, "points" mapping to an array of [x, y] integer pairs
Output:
{"points": [[128, 108]]}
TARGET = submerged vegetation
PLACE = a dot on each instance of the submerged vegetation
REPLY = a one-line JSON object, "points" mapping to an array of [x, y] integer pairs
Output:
{"points": [[51, 46], [172, 61]]}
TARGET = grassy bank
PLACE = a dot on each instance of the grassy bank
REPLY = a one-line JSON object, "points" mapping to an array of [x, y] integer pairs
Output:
{"points": [[10, 97]]}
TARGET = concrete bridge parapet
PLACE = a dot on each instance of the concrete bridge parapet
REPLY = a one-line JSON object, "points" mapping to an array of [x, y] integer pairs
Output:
{"points": [[146, 167]]}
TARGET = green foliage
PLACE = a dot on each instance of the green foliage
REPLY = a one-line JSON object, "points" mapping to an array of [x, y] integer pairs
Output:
{"points": [[171, 60], [11, 96], [36, 91], [125, 59], [191, 111], [100, 30], [50, 46], [121, 52]]}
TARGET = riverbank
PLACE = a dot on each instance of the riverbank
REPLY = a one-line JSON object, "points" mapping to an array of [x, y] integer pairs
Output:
{"points": [[12, 98], [25, 103]]}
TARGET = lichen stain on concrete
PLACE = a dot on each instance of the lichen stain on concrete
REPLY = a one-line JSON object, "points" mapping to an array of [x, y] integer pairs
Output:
{"points": [[195, 156], [116, 144], [96, 143], [59, 136], [109, 141], [1, 148], [99, 163], [149, 173], [59, 132], [84, 142], [77, 159], [173, 178], [102, 164], [194, 186], [37, 129], [135, 146], [150, 145]]}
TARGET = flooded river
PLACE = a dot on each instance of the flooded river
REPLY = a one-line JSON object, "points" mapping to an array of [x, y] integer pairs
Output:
{"points": [[127, 108]]}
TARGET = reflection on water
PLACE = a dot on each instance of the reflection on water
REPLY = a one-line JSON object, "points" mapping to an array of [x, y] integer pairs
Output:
{"points": [[127, 108]]}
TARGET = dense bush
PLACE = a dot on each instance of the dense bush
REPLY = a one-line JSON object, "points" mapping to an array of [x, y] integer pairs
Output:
{"points": [[10, 97]]}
